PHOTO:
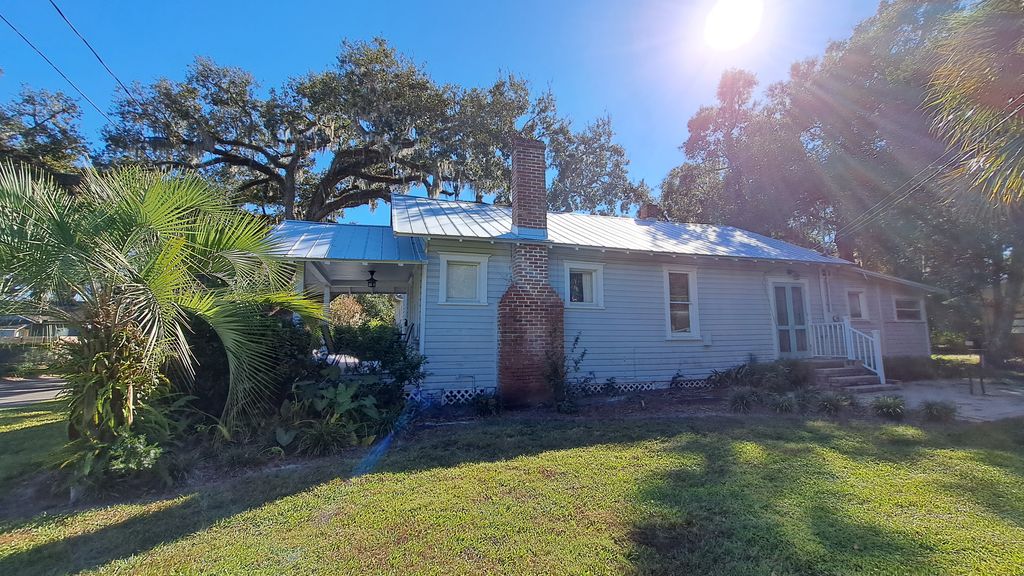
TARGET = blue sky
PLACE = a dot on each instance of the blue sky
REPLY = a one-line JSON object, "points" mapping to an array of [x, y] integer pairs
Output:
{"points": [[645, 62]]}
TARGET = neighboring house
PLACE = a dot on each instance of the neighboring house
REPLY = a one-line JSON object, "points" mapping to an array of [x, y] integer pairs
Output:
{"points": [[32, 329], [492, 293]]}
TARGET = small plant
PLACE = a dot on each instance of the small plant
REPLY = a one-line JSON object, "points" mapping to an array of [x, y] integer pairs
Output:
{"points": [[735, 377], [832, 403], [609, 388], [938, 411], [321, 437], [783, 403], [891, 407], [743, 399], [486, 404], [805, 399]]}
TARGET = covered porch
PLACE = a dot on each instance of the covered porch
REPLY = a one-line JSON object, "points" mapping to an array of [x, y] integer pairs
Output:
{"points": [[338, 259]]}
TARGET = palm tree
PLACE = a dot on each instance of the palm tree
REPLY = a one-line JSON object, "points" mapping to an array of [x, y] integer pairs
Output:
{"points": [[977, 95], [133, 258]]}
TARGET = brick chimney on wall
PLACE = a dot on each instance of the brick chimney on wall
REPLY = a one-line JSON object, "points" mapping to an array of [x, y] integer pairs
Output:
{"points": [[530, 313]]}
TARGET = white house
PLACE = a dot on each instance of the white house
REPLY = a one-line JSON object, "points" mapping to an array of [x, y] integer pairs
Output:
{"points": [[490, 292]]}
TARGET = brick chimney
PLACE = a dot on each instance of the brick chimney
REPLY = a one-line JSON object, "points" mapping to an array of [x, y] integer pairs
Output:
{"points": [[649, 211], [529, 189], [530, 313]]}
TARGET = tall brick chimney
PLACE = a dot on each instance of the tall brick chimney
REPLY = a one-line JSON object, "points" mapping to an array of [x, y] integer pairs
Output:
{"points": [[529, 189], [530, 313]]}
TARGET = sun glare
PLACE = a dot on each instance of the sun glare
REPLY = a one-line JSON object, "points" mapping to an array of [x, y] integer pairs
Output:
{"points": [[732, 23]]}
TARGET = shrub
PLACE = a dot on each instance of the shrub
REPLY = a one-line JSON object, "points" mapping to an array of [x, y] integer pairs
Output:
{"points": [[326, 436], [743, 399], [891, 407], [832, 403], [735, 377], [805, 398], [938, 411], [783, 403], [779, 377], [485, 404], [380, 348], [292, 345]]}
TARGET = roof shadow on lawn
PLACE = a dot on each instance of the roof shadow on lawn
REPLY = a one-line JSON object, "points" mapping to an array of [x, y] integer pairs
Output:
{"points": [[197, 511], [733, 519]]}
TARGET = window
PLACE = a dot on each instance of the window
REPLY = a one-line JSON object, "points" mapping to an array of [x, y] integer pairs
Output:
{"points": [[584, 283], [681, 303], [463, 279], [858, 304], [909, 309]]}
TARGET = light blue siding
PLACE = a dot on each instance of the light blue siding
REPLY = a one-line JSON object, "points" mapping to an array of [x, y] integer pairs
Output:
{"points": [[461, 341], [627, 338]]}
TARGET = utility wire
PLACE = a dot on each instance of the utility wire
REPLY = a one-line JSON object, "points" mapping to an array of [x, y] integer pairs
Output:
{"points": [[878, 209], [54, 66], [855, 222], [96, 54]]}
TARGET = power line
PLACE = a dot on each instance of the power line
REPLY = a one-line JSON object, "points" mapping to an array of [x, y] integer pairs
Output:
{"points": [[881, 206], [54, 66], [96, 54]]}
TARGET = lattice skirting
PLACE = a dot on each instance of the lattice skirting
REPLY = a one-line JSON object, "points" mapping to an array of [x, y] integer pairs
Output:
{"points": [[601, 387], [450, 396]]}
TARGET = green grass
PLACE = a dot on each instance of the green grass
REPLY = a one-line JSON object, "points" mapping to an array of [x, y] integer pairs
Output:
{"points": [[28, 436], [752, 495]]}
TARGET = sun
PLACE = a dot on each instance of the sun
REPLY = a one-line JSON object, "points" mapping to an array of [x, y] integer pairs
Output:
{"points": [[732, 23]]}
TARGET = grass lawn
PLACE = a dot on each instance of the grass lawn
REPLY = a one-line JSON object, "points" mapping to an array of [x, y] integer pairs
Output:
{"points": [[28, 436], [755, 495]]}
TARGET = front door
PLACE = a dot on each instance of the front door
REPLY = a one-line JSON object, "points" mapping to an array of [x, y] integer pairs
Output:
{"points": [[790, 320]]}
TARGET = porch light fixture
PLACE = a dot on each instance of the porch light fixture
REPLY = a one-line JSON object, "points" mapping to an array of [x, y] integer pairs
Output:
{"points": [[371, 282]]}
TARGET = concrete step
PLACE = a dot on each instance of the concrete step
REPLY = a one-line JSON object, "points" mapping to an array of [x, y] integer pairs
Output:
{"points": [[876, 387], [846, 381], [822, 373]]}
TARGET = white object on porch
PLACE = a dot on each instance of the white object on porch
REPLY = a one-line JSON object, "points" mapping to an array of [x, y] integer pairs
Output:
{"points": [[841, 340]]}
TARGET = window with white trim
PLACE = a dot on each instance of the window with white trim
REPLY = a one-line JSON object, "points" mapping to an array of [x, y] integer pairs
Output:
{"points": [[463, 279], [681, 303], [858, 303], [584, 282], [909, 309]]}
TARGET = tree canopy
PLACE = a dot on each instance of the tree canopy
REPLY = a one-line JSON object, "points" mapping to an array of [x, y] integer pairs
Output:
{"points": [[40, 128], [373, 124]]}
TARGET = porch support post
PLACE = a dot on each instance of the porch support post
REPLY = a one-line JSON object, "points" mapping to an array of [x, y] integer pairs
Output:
{"points": [[326, 323], [300, 287]]}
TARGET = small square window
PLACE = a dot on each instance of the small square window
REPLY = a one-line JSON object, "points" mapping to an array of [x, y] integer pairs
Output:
{"points": [[463, 279], [461, 284], [908, 309], [584, 285]]}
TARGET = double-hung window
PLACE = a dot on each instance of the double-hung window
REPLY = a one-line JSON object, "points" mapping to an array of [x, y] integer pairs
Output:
{"points": [[909, 309], [858, 303], [681, 303], [584, 283], [463, 279]]}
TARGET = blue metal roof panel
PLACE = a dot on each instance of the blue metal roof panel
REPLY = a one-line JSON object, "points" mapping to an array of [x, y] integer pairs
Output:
{"points": [[300, 240], [417, 216]]}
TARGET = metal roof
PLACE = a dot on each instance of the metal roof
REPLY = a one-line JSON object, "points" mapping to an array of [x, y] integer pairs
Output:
{"points": [[299, 240], [416, 216]]}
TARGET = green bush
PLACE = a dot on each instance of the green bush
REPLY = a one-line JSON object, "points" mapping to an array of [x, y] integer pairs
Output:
{"points": [[485, 404], [783, 403], [938, 411], [293, 350], [891, 407], [380, 348], [743, 399], [832, 403], [778, 377]]}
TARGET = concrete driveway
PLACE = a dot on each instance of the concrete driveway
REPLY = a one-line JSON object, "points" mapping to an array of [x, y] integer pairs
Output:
{"points": [[18, 392], [1001, 400]]}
